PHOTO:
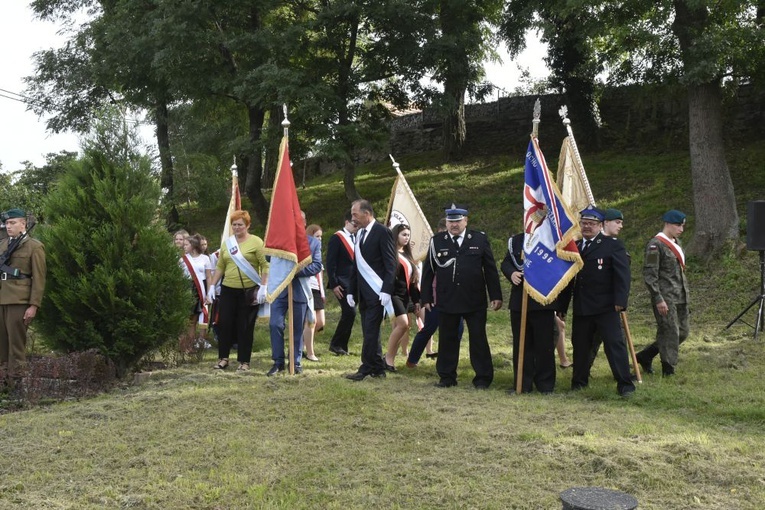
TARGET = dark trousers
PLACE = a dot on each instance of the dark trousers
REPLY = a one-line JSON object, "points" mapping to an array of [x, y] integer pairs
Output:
{"points": [[449, 347], [344, 326], [539, 350], [372, 361], [582, 338], [423, 336], [236, 324]]}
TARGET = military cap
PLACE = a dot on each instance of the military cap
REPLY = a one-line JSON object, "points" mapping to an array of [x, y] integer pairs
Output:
{"points": [[15, 213], [613, 214], [455, 213], [591, 213], [674, 216]]}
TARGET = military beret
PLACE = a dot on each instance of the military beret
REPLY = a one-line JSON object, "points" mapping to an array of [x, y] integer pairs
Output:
{"points": [[674, 216], [613, 214], [455, 213], [15, 213], [591, 213]]}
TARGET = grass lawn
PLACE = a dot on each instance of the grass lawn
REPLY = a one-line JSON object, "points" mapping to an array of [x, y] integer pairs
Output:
{"points": [[192, 437]]}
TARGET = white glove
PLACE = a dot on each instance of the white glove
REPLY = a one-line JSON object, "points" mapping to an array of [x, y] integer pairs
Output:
{"points": [[210, 295], [262, 294], [384, 298], [349, 299]]}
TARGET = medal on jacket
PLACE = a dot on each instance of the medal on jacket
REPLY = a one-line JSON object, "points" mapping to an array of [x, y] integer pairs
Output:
{"points": [[600, 263]]}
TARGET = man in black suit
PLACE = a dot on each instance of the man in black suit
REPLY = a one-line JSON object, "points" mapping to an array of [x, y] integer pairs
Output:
{"points": [[463, 266], [601, 290], [339, 269], [372, 281]]}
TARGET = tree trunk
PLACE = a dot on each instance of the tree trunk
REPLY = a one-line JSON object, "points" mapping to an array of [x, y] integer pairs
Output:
{"points": [[166, 161], [273, 140], [345, 72], [454, 132], [713, 198], [254, 165]]}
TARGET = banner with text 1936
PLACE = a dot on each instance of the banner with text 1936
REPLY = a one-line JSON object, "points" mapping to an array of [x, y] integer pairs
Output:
{"points": [[551, 258]]}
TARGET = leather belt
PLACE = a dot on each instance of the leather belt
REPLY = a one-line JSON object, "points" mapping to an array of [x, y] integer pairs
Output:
{"points": [[6, 276]]}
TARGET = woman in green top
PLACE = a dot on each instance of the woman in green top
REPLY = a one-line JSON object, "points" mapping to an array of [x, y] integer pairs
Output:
{"points": [[236, 318]]}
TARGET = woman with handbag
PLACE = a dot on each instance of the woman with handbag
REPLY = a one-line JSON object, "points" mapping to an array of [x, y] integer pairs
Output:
{"points": [[243, 268]]}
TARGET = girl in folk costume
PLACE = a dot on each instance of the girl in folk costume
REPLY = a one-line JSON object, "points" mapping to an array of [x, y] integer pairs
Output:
{"points": [[197, 267], [406, 295]]}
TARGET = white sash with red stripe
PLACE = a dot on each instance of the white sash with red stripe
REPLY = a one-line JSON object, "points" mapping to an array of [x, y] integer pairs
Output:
{"points": [[672, 245], [204, 319], [345, 237]]}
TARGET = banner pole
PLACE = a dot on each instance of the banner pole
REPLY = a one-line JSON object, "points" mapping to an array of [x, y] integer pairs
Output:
{"points": [[522, 343]]}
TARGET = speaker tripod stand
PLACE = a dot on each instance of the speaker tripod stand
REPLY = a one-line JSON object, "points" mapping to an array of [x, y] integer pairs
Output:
{"points": [[759, 324]]}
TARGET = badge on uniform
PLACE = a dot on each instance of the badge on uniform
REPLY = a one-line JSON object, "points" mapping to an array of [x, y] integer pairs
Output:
{"points": [[600, 263]]}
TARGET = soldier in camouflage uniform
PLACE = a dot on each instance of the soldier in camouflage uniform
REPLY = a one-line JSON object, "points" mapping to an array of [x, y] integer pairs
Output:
{"points": [[664, 275]]}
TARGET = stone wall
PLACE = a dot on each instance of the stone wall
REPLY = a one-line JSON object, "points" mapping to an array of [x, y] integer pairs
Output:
{"points": [[631, 116]]}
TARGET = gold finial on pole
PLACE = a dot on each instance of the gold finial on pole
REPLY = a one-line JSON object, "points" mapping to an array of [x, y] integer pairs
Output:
{"points": [[396, 166], [563, 112], [285, 122], [537, 118]]}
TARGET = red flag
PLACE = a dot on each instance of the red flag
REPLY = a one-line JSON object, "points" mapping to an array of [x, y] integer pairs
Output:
{"points": [[285, 239]]}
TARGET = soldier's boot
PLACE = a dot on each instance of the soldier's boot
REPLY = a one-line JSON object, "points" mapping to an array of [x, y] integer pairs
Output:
{"points": [[645, 358], [667, 370]]}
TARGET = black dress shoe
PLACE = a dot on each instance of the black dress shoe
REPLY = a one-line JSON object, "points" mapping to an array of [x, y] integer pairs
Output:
{"points": [[275, 370], [390, 368], [381, 375], [338, 351], [443, 383], [358, 376], [432, 355], [627, 392], [481, 386], [298, 370]]}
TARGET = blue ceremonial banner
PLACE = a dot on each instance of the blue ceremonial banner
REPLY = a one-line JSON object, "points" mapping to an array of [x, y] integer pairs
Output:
{"points": [[551, 258]]}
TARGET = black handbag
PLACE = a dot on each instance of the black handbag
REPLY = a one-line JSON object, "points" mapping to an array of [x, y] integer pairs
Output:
{"points": [[251, 294]]}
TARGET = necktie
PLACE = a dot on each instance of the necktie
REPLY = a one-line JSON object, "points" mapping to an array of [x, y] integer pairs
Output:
{"points": [[353, 238], [361, 237], [585, 245], [456, 241]]}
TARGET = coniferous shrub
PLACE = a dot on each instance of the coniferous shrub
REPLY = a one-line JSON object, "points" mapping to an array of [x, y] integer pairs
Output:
{"points": [[114, 283]]}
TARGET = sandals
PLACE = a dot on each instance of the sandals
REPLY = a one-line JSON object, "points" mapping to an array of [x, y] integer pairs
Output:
{"points": [[243, 367], [222, 364]]}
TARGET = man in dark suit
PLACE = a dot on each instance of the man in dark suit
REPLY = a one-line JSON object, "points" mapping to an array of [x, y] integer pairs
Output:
{"points": [[539, 348], [339, 269], [372, 281], [463, 265], [601, 290]]}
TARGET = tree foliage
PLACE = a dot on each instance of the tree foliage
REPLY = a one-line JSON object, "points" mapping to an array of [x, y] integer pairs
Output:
{"points": [[114, 283]]}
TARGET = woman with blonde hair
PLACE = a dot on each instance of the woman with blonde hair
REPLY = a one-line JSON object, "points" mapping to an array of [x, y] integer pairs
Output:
{"points": [[243, 268], [406, 295]]}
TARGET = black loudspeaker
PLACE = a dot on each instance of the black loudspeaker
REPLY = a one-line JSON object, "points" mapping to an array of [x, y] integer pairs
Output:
{"points": [[755, 225]]}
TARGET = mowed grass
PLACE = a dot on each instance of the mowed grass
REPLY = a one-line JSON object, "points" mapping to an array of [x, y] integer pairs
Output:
{"points": [[192, 437]]}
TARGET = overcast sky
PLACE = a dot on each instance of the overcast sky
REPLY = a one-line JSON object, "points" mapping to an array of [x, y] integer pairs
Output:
{"points": [[22, 134]]}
